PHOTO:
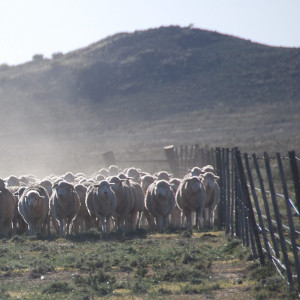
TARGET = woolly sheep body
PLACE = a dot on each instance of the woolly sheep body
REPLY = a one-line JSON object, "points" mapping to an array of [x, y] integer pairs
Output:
{"points": [[64, 204], [139, 204], [191, 197], [7, 206], [101, 203], [83, 218], [212, 197], [160, 201], [34, 207], [19, 225], [176, 212], [125, 201]]}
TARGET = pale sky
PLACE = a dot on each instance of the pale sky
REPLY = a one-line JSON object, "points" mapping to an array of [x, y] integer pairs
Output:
{"points": [[29, 27]]}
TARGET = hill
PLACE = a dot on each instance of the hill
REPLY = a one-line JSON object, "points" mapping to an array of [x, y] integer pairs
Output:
{"points": [[137, 92]]}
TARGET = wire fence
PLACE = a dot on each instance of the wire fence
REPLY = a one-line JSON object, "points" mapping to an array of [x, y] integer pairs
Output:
{"points": [[263, 219]]}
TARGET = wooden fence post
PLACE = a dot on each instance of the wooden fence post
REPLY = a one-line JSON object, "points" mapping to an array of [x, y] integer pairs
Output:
{"points": [[245, 191], [223, 188], [227, 172], [278, 219], [218, 212], [232, 192], [295, 174], [171, 155]]}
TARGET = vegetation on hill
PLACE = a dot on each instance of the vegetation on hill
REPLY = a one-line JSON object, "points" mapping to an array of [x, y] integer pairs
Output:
{"points": [[147, 89]]}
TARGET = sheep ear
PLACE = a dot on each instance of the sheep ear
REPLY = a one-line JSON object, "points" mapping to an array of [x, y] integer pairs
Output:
{"points": [[170, 175], [96, 185], [55, 186], [111, 184], [216, 177], [124, 179]]}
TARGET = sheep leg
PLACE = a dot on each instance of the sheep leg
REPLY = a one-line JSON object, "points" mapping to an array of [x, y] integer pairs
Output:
{"points": [[61, 226], [165, 221], [138, 219], [133, 221], [198, 216], [159, 223]]}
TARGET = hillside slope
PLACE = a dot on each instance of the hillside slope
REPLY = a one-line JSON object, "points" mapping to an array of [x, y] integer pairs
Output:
{"points": [[137, 92]]}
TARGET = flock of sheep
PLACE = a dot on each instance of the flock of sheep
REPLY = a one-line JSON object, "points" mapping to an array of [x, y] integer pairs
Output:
{"points": [[108, 199]]}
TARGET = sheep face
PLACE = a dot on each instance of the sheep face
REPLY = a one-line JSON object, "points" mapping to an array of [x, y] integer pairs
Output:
{"points": [[134, 175], [33, 199], [163, 176], [116, 183], [196, 171], [193, 185], [208, 180], [162, 189], [104, 189], [63, 190]]}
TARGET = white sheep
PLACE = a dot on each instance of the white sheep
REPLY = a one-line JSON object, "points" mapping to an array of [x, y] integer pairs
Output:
{"points": [[34, 207], [12, 181], [207, 168], [139, 205], [64, 204], [7, 206], [146, 181], [69, 177], [212, 197], [191, 197], [125, 201], [101, 203], [163, 175], [113, 170], [19, 225], [176, 212], [133, 174], [103, 172], [160, 201], [83, 218]]}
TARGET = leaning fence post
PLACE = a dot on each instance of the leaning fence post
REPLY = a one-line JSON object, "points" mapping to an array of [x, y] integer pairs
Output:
{"points": [[232, 191], [290, 217], [295, 174], [223, 188], [237, 229], [218, 170], [171, 155], [267, 209], [260, 220], [228, 192], [278, 219], [245, 190]]}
